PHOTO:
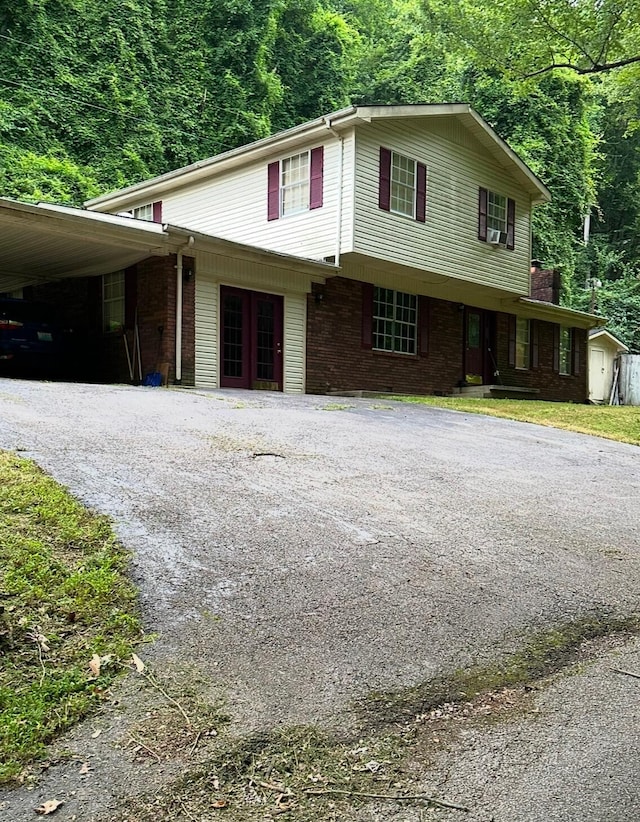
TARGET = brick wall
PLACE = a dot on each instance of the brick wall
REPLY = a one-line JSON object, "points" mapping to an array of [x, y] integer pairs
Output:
{"points": [[151, 287], [337, 361], [552, 385], [545, 285]]}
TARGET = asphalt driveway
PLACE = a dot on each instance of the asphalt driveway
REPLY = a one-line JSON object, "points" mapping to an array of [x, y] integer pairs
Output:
{"points": [[304, 551], [307, 550]]}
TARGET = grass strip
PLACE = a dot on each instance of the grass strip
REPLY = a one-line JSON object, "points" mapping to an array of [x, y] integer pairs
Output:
{"points": [[614, 422], [64, 596]]}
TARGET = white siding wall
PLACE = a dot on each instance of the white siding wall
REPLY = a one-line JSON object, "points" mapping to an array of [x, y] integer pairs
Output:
{"points": [[212, 271], [448, 242], [233, 205]]}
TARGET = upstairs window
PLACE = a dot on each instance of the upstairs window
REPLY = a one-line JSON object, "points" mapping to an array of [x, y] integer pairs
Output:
{"points": [[113, 301], [151, 212], [295, 184], [395, 317], [402, 185], [496, 219]]}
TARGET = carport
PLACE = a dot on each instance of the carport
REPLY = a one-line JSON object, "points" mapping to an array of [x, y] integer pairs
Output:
{"points": [[61, 255]]}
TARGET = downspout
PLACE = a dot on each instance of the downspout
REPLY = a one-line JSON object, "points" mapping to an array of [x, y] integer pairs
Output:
{"points": [[340, 139], [181, 250]]}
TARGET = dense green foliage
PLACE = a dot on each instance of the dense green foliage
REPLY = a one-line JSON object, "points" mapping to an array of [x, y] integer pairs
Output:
{"points": [[94, 96]]}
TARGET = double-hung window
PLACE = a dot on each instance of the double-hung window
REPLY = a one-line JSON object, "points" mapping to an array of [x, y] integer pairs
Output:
{"points": [[565, 350], [113, 301], [523, 342], [295, 184], [395, 316], [496, 219], [402, 185]]}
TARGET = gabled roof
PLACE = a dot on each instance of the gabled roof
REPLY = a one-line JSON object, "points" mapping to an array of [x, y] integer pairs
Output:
{"points": [[599, 333], [338, 121]]}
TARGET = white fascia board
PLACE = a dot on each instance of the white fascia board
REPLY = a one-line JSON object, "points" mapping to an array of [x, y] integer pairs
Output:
{"points": [[537, 309], [602, 332]]}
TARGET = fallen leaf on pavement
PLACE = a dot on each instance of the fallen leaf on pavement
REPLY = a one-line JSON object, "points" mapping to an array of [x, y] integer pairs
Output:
{"points": [[140, 666], [219, 803], [50, 806], [85, 768], [96, 734]]}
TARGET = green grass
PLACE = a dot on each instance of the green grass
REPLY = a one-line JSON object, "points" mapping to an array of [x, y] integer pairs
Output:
{"points": [[621, 423], [64, 596]]}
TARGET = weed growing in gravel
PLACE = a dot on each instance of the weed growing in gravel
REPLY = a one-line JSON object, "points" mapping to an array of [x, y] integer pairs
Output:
{"points": [[64, 597]]}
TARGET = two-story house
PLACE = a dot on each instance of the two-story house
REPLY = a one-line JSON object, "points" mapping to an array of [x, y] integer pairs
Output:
{"points": [[425, 215], [380, 248]]}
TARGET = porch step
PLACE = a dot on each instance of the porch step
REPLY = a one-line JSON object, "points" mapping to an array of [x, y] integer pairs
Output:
{"points": [[498, 392]]}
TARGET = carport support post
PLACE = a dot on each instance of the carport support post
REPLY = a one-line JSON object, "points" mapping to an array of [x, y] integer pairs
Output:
{"points": [[188, 244]]}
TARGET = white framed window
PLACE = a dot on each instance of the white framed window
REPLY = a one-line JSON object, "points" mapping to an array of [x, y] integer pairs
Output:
{"points": [[294, 184], [496, 211], [113, 302], [403, 185], [395, 321], [565, 350], [523, 343], [144, 212]]}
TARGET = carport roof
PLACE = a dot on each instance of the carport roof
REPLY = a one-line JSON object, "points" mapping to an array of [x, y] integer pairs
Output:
{"points": [[43, 242]]}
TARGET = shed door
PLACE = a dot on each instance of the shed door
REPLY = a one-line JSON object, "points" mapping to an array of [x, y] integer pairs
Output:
{"points": [[598, 387], [251, 339]]}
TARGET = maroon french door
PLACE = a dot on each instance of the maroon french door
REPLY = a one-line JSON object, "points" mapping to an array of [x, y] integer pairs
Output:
{"points": [[250, 339], [479, 332]]}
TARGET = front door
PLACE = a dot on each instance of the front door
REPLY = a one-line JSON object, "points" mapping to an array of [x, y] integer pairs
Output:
{"points": [[473, 351], [479, 332], [250, 339]]}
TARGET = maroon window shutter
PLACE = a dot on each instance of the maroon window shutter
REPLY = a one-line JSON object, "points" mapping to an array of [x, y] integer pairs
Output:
{"points": [[556, 348], [273, 196], [384, 180], [157, 211], [130, 296], [421, 192], [423, 325], [367, 315], [575, 342], [511, 224], [317, 170], [512, 340], [482, 214], [535, 343]]}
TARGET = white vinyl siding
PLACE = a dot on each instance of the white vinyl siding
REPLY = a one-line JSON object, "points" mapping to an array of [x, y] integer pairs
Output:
{"points": [[206, 318], [213, 271], [233, 205], [448, 243]]}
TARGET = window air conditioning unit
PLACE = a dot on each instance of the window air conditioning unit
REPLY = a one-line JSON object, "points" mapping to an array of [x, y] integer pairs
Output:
{"points": [[495, 237]]}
